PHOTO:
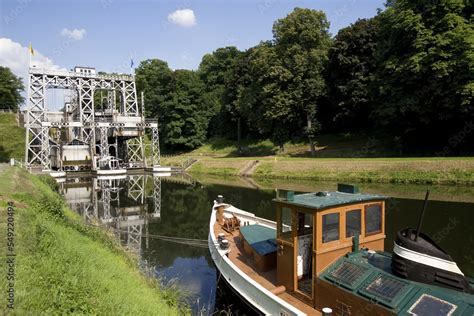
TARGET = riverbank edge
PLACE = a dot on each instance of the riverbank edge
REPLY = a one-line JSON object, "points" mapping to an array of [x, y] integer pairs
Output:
{"points": [[394, 171], [65, 266]]}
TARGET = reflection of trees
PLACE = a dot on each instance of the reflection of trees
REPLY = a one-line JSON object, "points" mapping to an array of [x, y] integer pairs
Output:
{"points": [[448, 223], [185, 213], [186, 209]]}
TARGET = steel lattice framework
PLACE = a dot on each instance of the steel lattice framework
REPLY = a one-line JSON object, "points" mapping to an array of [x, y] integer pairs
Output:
{"points": [[136, 188], [129, 227], [157, 196], [83, 120], [155, 146]]}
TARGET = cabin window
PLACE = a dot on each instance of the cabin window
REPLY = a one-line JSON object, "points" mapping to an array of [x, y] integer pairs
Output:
{"points": [[284, 228], [305, 224], [353, 223], [330, 227], [373, 219]]}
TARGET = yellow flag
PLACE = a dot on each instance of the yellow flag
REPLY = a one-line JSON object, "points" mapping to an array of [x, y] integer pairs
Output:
{"points": [[32, 52]]}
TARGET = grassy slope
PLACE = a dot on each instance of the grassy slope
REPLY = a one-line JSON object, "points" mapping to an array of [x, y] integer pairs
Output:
{"points": [[328, 146], [12, 138], [217, 158], [402, 170], [458, 171], [62, 266]]}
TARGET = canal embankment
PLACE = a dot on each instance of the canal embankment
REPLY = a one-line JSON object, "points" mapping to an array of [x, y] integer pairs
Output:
{"points": [[62, 266], [425, 170]]}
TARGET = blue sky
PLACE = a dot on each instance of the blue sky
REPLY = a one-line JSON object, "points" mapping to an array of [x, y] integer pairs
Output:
{"points": [[103, 33]]}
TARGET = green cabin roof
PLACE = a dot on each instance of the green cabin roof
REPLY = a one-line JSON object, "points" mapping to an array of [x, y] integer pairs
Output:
{"points": [[324, 200]]}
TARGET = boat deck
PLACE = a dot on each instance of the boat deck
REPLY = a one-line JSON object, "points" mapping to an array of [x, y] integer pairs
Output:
{"points": [[266, 279]]}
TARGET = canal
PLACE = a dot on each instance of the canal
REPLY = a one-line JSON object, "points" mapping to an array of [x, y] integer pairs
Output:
{"points": [[145, 211]]}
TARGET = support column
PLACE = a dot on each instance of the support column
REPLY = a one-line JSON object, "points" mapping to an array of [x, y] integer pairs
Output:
{"points": [[106, 216], [45, 149], [130, 99], [155, 143], [135, 151], [104, 141], [134, 238], [86, 103], [34, 117], [157, 197], [136, 188]]}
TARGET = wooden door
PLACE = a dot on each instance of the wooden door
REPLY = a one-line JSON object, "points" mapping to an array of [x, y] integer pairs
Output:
{"points": [[286, 265]]}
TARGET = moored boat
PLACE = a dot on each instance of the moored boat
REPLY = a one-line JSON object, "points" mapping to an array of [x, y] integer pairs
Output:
{"points": [[109, 166], [325, 254]]}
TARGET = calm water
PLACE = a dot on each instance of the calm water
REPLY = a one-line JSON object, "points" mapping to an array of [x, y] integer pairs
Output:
{"points": [[139, 206]]}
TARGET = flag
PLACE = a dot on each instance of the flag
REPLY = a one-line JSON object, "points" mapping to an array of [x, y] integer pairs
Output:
{"points": [[30, 48], [131, 62]]}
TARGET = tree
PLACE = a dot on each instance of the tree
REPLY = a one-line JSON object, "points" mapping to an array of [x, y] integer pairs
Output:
{"points": [[217, 71], [185, 113], [154, 77], [10, 90], [350, 73], [424, 79], [301, 42], [266, 101], [177, 99]]}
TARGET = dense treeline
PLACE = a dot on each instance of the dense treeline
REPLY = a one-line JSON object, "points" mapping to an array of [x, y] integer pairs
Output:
{"points": [[406, 73]]}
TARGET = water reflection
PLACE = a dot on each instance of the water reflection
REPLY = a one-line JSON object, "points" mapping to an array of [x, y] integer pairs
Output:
{"points": [[122, 203], [141, 207], [132, 207]]}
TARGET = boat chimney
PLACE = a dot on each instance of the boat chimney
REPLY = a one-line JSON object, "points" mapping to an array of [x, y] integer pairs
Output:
{"points": [[220, 199], [290, 196], [355, 243], [327, 311]]}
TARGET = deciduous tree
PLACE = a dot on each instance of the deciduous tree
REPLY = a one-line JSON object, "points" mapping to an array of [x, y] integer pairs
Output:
{"points": [[10, 90]]}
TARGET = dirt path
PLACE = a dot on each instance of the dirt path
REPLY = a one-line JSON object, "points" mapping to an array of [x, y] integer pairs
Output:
{"points": [[249, 168], [3, 166]]}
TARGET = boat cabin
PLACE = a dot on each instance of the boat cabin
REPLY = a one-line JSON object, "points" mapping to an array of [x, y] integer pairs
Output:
{"points": [[326, 252], [316, 229], [108, 163]]}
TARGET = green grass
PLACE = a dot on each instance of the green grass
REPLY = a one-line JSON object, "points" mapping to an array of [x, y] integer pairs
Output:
{"points": [[66, 267], [201, 168], [330, 146], [416, 171], [12, 138], [449, 171]]}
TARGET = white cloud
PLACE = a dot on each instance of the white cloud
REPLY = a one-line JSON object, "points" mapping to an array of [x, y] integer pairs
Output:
{"points": [[183, 17], [17, 57], [75, 34]]}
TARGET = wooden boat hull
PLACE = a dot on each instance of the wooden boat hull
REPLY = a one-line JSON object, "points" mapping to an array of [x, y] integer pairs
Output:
{"points": [[253, 293]]}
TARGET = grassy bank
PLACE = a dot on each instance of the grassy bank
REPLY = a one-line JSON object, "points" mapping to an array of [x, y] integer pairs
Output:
{"points": [[63, 266], [406, 191], [449, 171], [12, 138], [328, 146]]}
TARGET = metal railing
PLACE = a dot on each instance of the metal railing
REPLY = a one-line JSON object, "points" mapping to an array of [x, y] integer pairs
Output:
{"points": [[67, 73], [19, 163], [9, 111]]}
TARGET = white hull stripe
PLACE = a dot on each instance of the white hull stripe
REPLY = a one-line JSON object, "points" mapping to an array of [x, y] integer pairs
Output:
{"points": [[426, 259]]}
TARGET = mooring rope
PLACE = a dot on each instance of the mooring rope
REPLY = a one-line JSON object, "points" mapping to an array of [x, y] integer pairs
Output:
{"points": [[201, 243]]}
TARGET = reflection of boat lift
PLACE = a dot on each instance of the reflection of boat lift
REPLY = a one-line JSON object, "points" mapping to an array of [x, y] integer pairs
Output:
{"points": [[58, 174], [109, 166], [129, 222]]}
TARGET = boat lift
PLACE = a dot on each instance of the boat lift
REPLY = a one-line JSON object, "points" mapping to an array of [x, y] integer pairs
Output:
{"points": [[82, 133]]}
